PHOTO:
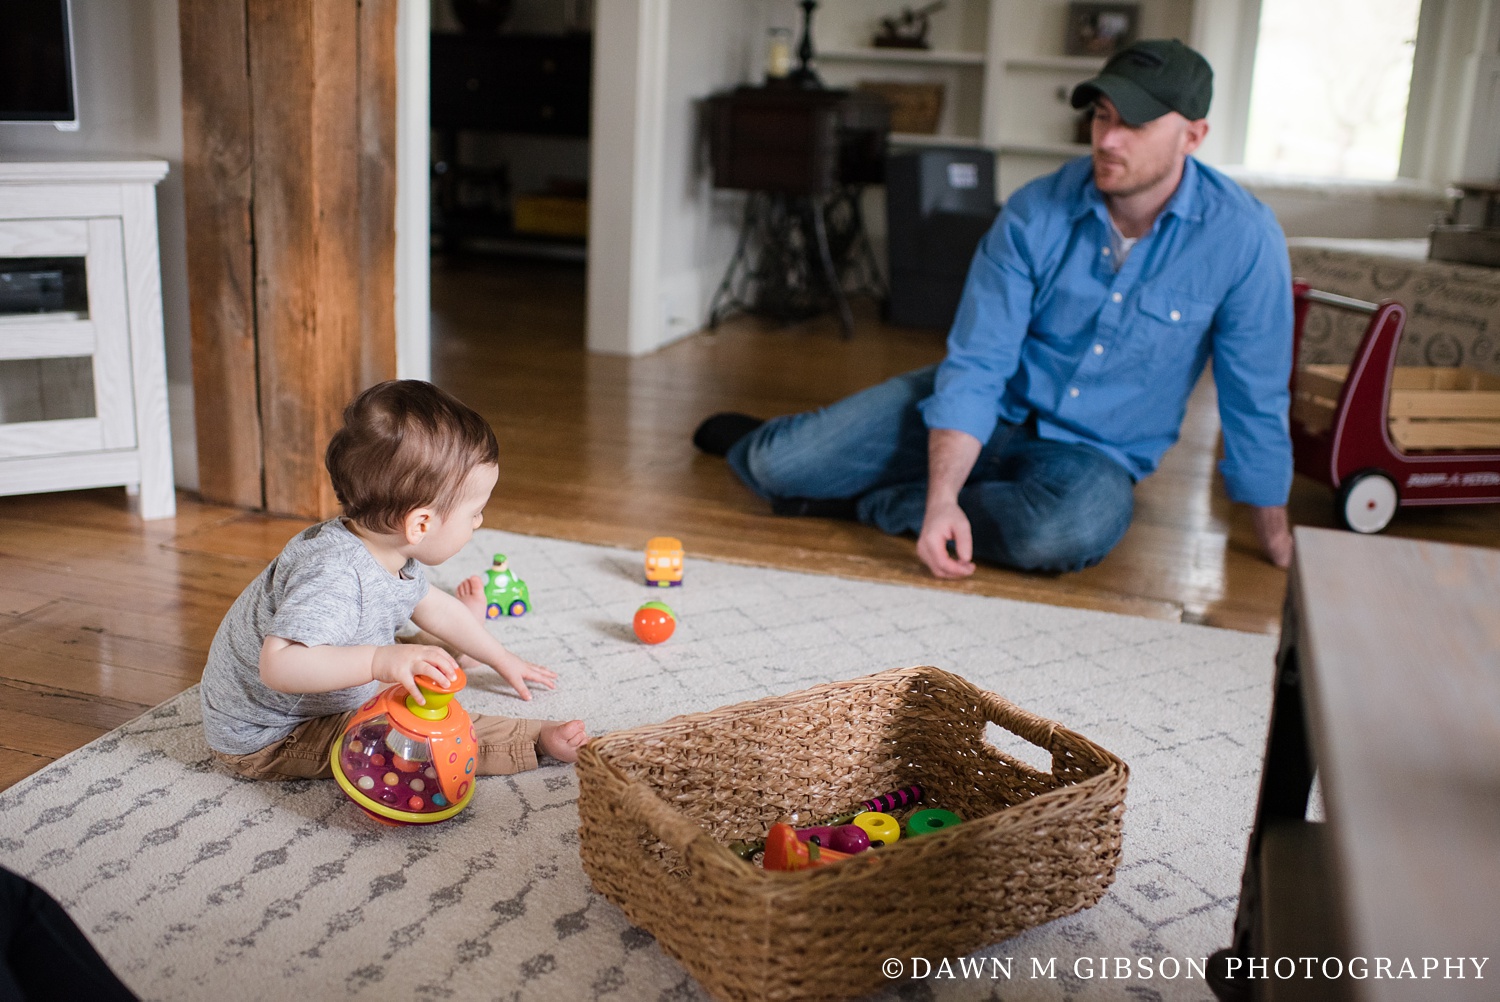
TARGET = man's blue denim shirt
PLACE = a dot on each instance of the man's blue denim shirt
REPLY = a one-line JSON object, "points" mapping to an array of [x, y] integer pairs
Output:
{"points": [[1047, 326]]}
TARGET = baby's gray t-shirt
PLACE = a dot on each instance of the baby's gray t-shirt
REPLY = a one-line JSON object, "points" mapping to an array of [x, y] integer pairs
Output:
{"points": [[324, 588]]}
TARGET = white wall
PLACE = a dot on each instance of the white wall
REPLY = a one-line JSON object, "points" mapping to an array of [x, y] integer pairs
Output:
{"points": [[413, 190], [1453, 117], [710, 42], [129, 71], [659, 235], [626, 113], [1225, 31]]}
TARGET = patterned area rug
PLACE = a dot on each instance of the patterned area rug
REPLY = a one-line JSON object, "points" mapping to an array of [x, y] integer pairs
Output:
{"points": [[196, 885]]}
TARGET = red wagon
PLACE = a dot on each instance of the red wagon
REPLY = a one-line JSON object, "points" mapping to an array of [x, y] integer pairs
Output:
{"points": [[1384, 436]]}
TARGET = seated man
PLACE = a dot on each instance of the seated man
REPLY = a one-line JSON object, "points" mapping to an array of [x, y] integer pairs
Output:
{"points": [[1090, 310]]}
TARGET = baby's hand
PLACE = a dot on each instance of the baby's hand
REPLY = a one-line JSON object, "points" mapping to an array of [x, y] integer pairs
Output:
{"points": [[404, 662], [518, 672]]}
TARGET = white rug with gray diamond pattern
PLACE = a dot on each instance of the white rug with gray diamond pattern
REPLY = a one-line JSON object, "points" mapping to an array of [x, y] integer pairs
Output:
{"points": [[197, 885]]}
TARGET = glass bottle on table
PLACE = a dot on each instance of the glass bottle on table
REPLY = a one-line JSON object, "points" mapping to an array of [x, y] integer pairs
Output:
{"points": [[778, 54]]}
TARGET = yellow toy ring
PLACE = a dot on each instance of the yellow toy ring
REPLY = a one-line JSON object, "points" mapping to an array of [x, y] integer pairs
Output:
{"points": [[882, 828]]}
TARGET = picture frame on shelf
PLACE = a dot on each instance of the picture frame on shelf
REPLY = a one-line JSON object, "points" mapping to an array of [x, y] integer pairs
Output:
{"points": [[1100, 29]]}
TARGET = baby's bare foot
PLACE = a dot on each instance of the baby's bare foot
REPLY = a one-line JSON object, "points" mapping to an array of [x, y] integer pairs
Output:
{"points": [[562, 741], [470, 592]]}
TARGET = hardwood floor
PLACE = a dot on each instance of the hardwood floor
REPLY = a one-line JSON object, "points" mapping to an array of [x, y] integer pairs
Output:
{"points": [[103, 616]]}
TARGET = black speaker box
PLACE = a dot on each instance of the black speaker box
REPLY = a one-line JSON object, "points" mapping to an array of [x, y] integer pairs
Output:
{"points": [[939, 202]]}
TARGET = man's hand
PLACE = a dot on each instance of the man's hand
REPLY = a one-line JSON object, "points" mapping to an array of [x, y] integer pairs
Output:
{"points": [[404, 662], [951, 455], [944, 522], [1274, 533]]}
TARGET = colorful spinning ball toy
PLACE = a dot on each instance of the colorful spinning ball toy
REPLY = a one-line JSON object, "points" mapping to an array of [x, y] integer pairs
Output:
{"points": [[406, 763], [654, 622]]}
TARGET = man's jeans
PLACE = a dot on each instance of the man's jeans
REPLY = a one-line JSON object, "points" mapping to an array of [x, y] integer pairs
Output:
{"points": [[1032, 504]]}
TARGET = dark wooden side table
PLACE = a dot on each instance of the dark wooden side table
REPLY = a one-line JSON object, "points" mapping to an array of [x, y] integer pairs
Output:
{"points": [[1388, 686], [804, 155]]}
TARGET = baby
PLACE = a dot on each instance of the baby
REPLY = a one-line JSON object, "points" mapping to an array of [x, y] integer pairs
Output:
{"points": [[313, 637]]}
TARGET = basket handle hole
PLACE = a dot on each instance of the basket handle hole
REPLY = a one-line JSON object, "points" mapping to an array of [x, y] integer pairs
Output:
{"points": [[1018, 747]]}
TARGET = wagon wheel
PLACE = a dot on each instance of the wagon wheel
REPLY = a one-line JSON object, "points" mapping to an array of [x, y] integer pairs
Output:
{"points": [[1368, 501]]}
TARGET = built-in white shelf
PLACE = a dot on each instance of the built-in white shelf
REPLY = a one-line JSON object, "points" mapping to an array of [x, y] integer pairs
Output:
{"points": [[1069, 64], [929, 139], [1006, 77], [1068, 150], [1024, 149], [925, 57]]}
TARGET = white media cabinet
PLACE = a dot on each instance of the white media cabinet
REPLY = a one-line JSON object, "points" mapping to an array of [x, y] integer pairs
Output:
{"points": [[83, 391]]}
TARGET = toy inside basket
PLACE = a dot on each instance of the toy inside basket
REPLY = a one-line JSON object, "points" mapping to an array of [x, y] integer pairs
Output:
{"points": [[659, 806], [1430, 408]]}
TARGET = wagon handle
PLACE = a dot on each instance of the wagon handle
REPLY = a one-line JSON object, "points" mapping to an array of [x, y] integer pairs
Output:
{"points": [[1344, 302]]}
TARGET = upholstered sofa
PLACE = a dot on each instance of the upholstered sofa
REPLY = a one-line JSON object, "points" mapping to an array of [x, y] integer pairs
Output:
{"points": [[1453, 310]]}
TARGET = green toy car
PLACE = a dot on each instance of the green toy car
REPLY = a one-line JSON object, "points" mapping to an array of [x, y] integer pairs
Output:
{"points": [[504, 593]]}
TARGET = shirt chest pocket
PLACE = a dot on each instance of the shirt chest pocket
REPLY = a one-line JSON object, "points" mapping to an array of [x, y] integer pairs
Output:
{"points": [[1168, 322], [1065, 320]]}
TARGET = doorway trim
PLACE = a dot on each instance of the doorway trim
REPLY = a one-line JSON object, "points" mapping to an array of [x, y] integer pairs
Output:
{"points": [[413, 194], [626, 139]]}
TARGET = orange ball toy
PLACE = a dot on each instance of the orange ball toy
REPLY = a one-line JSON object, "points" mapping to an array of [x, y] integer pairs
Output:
{"points": [[654, 622]]}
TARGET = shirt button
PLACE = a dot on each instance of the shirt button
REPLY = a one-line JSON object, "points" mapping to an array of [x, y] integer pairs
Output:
{"points": [[1073, 392], [1098, 349], [1116, 297], [1175, 315], [1104, 251]]}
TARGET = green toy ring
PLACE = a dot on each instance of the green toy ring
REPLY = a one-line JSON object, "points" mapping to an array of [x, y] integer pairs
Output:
{"points": [[929, 821]]}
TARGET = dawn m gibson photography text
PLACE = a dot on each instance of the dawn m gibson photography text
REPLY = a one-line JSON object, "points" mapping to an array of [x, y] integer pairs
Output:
{"points": [[1185, 968]]}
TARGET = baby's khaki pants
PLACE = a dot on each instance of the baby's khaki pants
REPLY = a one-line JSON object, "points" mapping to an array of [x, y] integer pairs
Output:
{"points": [[506, 745]]}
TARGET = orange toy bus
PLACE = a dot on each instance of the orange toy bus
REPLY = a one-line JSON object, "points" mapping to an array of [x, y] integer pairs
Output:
{"points": [[664, 562]]}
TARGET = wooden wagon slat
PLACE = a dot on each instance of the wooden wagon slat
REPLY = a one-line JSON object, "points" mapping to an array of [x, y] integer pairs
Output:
{"points": [[1413, 435], [1322, 380], [1444, 404], [1421, 377]]}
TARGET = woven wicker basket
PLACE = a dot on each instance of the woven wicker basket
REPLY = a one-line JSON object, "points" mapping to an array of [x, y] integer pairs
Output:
{"points": [[659, 804], [915, 107]]}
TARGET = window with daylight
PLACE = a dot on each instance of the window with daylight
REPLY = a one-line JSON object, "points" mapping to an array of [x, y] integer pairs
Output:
{"points": [[1330, 87]]}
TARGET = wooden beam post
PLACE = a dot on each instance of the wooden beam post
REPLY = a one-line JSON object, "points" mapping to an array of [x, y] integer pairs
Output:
{"points": [[312, 201], [217, 171]]}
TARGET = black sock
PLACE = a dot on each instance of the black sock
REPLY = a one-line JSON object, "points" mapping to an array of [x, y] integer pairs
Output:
{"points": [[719, 432]]}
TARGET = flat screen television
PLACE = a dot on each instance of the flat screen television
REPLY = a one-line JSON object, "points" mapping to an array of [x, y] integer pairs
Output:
{"points": [[37, 83]]}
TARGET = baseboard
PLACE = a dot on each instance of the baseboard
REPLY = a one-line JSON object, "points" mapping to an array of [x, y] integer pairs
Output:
{"points": [[684, 300]]}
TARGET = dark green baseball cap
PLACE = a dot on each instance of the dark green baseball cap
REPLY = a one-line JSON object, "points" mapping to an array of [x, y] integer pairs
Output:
{"points": [[1146, 80]]}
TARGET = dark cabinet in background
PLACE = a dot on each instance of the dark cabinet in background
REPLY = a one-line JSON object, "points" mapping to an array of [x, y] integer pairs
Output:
{"points": [[536, 85]]}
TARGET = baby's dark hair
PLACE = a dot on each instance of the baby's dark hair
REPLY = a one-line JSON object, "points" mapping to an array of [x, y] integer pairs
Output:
{"points": [[405, 444]]}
